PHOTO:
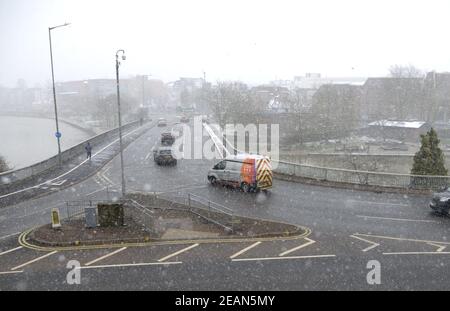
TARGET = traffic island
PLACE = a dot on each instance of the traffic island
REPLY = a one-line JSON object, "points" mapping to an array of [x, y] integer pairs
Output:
{"points": [[147, 219]]}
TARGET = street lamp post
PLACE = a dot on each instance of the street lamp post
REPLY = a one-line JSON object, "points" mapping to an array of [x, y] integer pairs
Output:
{"points": [[58, 134], [120, 118]]}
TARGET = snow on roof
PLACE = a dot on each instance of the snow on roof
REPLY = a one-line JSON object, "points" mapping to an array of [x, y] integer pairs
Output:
{"points": [[403, 124]]}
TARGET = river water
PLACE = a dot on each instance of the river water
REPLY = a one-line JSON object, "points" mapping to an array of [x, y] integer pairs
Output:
{"points": [[25, 141]]}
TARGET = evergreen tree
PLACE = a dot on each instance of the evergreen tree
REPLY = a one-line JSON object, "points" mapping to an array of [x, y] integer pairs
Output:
{"points": [[3, 166], [429, 160]]}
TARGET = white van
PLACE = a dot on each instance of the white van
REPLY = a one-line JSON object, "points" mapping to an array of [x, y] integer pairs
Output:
{"points": [[246, 171]]}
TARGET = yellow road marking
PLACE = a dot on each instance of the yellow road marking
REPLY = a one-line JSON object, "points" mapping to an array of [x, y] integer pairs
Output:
{"points": [[106, 256], [178, 252], [22, 241], [245, 249]]}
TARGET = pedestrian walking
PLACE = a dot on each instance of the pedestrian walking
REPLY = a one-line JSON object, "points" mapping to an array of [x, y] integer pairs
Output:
{"points": [[88, 150]]}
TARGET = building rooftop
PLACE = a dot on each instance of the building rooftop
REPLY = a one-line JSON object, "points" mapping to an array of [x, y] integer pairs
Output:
{"points": [[403, 124]]}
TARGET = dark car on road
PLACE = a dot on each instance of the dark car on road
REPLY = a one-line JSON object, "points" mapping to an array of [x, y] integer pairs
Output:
{"points": [[440, 203], [162, 122], [167, 139], [163, 155]]}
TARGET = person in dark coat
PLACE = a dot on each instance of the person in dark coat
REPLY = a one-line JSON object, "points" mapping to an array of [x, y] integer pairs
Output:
{"points": [[88, 150]]}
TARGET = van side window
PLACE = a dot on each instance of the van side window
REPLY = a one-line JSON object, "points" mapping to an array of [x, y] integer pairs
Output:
{"points": [[220, 165]]}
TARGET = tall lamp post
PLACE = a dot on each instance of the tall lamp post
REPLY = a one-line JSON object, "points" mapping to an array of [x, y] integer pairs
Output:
{"points": [[120, 118], [58, 134]]}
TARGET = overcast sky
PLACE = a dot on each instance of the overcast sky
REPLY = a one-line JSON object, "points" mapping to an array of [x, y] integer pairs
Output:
{"points": [[252, 41]]}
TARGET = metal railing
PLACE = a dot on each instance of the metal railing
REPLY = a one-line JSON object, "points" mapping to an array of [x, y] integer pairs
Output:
{"points": [[404, 181], [210, 211]]}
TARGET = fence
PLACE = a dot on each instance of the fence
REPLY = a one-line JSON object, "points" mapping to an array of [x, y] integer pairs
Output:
{"points": [[9, 177], [210, 211], [404, 181]]}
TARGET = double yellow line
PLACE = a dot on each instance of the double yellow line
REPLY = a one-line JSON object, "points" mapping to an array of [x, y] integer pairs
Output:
{"points": [[23, 242]]}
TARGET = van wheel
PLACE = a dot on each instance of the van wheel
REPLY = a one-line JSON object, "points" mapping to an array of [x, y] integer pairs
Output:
{"points": [[212, 180], [245, 187]]}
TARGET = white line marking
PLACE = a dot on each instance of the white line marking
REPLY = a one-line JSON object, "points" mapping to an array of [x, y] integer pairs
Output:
{"points": [[148, 155], [98, 190], [33, 261], [244, 250], [370, 242], [283, 258], [9, 235], [179, 252], [378, 203], [11, 272], [418, 253], [400, 239], [11, 250], [398, 219], [134, 265], [59, 183], [298, 247], [107, 179], [440, 247], [69, 171], [106, 256]]}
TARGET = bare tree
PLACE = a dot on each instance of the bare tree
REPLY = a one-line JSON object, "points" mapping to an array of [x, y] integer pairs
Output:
{"points": [[405, 71]]}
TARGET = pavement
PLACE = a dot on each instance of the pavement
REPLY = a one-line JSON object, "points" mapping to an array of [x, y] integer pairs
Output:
{"points": [[349, 229]]}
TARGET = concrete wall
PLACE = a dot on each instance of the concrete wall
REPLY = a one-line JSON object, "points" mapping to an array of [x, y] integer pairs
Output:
{"points": [[26, 172], [394, 163]]}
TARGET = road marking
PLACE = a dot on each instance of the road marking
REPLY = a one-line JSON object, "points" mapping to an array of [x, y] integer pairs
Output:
{"points": [[9, 235], [133, 265], [59, 183], [179, 252], [98, 190], [148, 155], [283, 258], [68, 172], [440, 247], [398, 219], [11, 272], [106, 256], [378, 203], [418, 253], [400, 239], [370, 242], [245, 249], [33, 261], [298, 247], [11, 250]]}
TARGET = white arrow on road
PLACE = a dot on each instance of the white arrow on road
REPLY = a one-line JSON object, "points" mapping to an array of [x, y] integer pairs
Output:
{"points": [[59, 183]]}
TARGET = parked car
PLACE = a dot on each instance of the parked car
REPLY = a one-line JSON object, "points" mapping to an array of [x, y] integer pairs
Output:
{"points": [[163, 155], [440, 202], [162, 122], [245, 171]]}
